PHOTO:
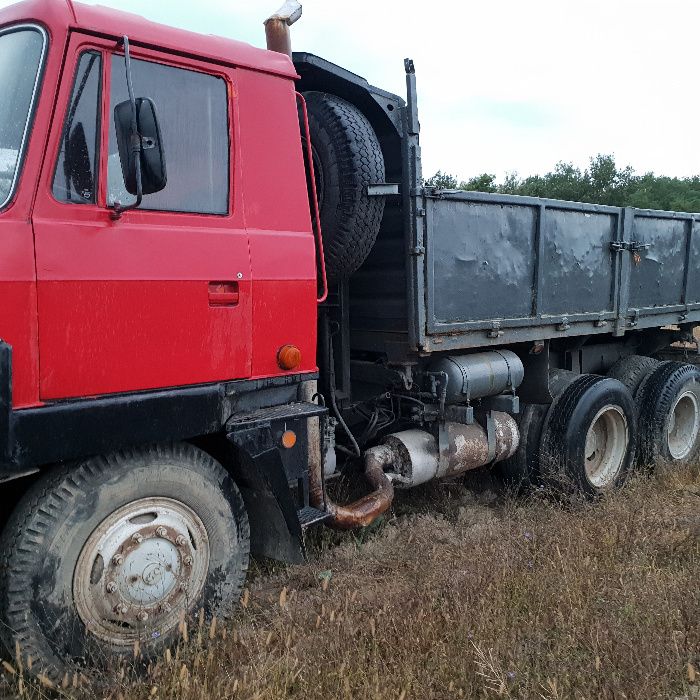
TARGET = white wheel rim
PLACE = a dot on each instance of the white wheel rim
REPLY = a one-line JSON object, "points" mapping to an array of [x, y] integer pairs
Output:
{"points": [[683, 425], [606, 446], [141, 567]]}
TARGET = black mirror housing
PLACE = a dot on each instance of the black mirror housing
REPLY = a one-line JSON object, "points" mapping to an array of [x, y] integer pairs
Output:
{"points": [[153, 173]]}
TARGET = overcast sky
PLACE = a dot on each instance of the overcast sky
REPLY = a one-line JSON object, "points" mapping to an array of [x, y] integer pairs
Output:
{"points": [[505, 85]]}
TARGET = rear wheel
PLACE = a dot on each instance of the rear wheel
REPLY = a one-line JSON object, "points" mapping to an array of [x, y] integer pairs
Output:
{"points": [[669, 415], [521, 470], [632, 371], [115, 551], [588, 439]]}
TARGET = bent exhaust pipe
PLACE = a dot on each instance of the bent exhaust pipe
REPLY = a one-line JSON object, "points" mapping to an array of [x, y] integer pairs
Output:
{"points": [[367, 509], [277, 27], [364, 510]]}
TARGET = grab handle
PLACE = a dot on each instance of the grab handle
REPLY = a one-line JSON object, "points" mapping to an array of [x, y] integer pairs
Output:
{"points": [[314, 199]]}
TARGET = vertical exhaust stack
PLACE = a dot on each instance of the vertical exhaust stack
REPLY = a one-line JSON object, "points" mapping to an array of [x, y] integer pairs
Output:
{"points": [[277, 27]]}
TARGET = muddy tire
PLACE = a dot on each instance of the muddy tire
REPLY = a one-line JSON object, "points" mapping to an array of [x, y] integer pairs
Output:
{"points": [[347, 157], [632, 371], [589, 436], [111, 551], [669, 416], [522, 469]]}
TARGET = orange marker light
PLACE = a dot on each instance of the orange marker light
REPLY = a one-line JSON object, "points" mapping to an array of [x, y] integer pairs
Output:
{"points": [[289, 439], [289, 357]]}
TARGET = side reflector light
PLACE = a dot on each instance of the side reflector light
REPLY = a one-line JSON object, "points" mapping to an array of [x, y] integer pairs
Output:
{"points": [[289, 357], [289, 439]]}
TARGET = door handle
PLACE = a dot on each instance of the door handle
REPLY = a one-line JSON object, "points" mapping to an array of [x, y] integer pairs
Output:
{"points": [[223, 294]]}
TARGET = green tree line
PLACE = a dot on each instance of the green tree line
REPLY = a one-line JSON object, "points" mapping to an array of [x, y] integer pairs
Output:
{"points": [[602, 182]]}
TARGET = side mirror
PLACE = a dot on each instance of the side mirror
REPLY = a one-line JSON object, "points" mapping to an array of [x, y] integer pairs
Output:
{"points": [[145, 145]]}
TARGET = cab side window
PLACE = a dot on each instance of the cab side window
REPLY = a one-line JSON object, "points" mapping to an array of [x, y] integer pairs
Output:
{"points": [[192, 110], [75, 178]]}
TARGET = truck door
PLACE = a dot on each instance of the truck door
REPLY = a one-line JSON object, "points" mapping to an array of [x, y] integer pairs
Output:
{"points": [[161, 296]]}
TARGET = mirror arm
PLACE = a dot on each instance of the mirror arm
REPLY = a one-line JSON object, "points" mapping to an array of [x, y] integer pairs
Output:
{"points": [[134, 138]]}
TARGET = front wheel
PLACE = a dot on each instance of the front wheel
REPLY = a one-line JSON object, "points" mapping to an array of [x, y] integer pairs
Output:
{"points": [[521, 470], [115, 551]]}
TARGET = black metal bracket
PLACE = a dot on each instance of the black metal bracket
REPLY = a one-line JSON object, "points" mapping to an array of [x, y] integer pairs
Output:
{"points": [[443, 441], [502, 402], [135, 138], [633, 246], [491, 436], [6, 422], [276, 530], [460, 414]]}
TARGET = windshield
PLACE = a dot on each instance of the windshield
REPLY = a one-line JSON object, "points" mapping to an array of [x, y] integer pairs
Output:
{"points": [[21, 51]]}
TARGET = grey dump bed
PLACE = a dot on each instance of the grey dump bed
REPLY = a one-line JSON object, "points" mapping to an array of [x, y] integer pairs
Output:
{"points": [[455, 270], [486, 269], [513, 268]]}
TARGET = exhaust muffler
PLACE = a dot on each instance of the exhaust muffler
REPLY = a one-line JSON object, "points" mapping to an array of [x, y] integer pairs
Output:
{"points": [[417, 458]]}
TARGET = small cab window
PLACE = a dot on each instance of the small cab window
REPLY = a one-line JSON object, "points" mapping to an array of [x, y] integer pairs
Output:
{"points": [[75, 179], [192, 110]]}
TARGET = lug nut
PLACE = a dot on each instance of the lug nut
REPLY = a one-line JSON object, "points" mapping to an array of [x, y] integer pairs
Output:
{"points": [[111, 587], [121, 609], [162, 532], [136, 537], [117, 559], [188, 561], [180, 540], [142, 616]]}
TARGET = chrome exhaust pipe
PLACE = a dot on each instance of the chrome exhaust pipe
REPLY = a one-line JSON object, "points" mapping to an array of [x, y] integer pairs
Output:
{"points": [[277, 27]]}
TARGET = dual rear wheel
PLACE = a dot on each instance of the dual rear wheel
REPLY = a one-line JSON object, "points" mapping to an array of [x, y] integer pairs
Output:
{"points": [[644, 414], [589, 436], [667, 398]]}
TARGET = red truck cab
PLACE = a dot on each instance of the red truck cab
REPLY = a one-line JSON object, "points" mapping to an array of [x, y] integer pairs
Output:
{"points": [[144, 347], [166, 295]]}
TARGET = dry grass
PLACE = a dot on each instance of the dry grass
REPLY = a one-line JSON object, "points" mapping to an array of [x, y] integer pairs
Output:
{"points": [[468, 596]]}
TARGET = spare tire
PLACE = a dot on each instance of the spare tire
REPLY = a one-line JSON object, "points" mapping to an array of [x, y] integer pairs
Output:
{"points": [[347, 158]]}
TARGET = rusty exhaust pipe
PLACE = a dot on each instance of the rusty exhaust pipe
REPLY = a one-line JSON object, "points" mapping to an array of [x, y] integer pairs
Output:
{"points": [[366, 509], [277, 27]]}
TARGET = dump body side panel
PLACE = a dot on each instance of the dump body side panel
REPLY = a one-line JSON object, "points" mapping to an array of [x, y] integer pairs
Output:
{"points": [[510, 269]]}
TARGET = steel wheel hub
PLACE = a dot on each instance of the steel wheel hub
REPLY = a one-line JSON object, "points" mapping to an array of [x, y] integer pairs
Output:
{"points": [[606, 446], [142, 566], [683, 425]]}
